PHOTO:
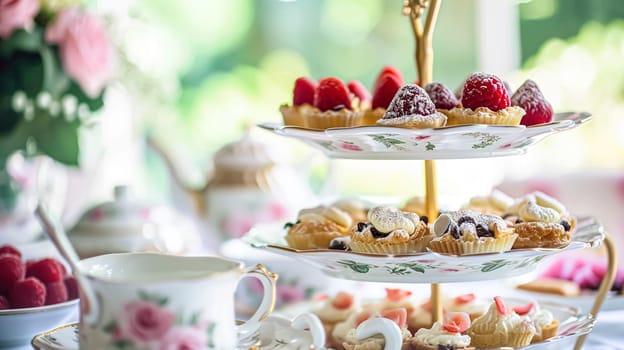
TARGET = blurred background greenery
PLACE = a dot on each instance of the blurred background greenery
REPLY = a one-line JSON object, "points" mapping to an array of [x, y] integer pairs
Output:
{"points": [[195, 74]]}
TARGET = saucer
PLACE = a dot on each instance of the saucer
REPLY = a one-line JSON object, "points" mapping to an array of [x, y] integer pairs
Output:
{"points": [[60, 338]]}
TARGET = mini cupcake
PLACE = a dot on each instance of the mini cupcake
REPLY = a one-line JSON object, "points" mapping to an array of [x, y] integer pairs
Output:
{"points": [[331, 105], [388, 82], [390, 231], [335, 310], [466, 232], [467, 303], [338, 336], [316, 227], [485, 100], [378, 341], [545, 324], [421, 317], [500, 327], [412, 108], [395, 299], [447, 335], [540, 222]]}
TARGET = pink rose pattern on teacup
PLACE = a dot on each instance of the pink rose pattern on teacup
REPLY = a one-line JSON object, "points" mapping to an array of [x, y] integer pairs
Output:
{"points": [[85, 50], [16, 14], [147, 323]]}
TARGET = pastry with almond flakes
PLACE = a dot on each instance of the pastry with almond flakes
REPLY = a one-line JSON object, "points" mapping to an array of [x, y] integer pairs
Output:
{"points": [[316, 227], [390, 231], [485, 100]]}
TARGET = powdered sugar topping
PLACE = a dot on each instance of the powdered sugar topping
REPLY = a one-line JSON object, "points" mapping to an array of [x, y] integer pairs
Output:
{"points": [[410, 100]]}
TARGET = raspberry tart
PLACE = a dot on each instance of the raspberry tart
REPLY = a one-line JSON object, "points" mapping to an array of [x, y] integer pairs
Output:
{"points": [[485, 100], [530, 98], [412, 108], [327, 104], [388, 82]]}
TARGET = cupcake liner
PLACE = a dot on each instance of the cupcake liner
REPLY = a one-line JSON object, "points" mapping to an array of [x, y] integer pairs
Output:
{"points": [[483, 115], [548, 331], [493, 340], [385, 248], [332, 119], [519, 339], [459, 247], [435, 120]]}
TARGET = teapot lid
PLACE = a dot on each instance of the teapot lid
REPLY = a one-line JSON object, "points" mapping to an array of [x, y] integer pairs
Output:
{"points": [[122, 216], [244, 154]]}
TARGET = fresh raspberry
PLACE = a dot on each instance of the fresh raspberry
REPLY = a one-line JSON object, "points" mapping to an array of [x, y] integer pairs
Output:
{"points": [[4, 303], [359, 90], [411, 99], [388, 70], [72, 287], [385, 91], [9, 249], [485, 90], [46, 270], [331, 94], [29, 292], [303, 91], [530, 98], [441, 96], [11, 271], [56, 292]]}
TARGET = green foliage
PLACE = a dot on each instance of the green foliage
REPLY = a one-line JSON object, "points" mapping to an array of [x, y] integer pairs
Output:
{"points": [[30, 66]]}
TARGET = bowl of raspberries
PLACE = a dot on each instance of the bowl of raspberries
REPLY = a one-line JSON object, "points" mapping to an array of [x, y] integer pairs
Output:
{"points": [[35, 295]]}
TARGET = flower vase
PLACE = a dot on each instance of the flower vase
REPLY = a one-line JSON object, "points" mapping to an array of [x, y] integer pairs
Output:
{"points": [[24, 182]]}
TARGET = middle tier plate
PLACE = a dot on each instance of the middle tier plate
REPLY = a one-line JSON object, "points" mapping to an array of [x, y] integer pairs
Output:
{"points": [[427, 267], [451, 142]]}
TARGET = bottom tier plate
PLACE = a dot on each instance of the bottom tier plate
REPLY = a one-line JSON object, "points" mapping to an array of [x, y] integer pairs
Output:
{"points": [[572, 325]]}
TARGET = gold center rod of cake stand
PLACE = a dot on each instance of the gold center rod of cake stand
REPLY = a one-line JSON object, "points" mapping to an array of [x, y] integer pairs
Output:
{"points": [[424, 65], [605, 285]]}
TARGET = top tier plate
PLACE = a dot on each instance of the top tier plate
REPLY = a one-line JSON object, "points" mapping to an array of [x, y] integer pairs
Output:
{"points": [[451, 142]]}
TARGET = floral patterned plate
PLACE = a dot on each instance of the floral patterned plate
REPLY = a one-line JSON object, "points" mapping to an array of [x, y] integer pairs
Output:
{"points": [[452, 142], [427, 267]]}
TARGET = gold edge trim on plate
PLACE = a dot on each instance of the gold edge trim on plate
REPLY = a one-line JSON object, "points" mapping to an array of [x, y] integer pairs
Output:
{"points": [[51, 331]]}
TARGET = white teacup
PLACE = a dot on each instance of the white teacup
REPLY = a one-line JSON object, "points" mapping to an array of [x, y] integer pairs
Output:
{"points": [[156, 301]]}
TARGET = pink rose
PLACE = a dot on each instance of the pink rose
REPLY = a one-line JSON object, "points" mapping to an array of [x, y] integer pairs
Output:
{"points": [[188, 338], [85, 50], [15, 14], [289, 294], [144, 321]]}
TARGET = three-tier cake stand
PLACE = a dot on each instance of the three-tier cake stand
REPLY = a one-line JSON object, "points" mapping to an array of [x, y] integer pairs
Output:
{"points": [[467, 141]]}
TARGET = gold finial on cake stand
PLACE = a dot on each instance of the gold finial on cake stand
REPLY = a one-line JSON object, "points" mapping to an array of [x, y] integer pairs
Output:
{"points": [[423, 36]]}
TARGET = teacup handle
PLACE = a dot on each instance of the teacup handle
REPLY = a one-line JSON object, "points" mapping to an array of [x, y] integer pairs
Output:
{"points": [[268, 280]]}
